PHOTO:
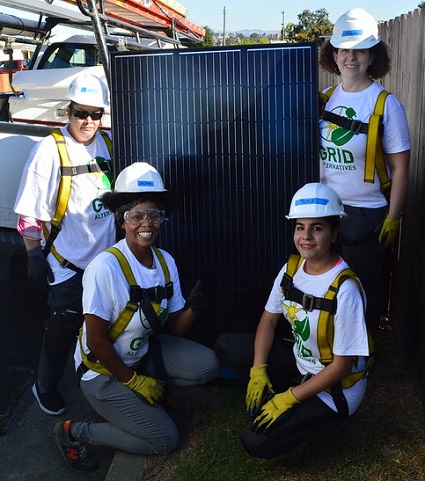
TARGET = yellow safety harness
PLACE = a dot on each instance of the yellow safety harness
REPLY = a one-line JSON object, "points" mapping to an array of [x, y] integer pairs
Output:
{"points": [[325, 327], [137, 296], [374, 156], [64, 192]]}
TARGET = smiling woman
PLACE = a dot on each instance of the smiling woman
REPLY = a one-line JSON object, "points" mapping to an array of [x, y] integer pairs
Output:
{"points": [[63, 225], [367, 167], [124, 359], [321, 383]]}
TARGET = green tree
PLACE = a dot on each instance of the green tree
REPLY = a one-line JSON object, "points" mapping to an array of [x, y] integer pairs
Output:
{"points": [[208, 40], [311, 26]]}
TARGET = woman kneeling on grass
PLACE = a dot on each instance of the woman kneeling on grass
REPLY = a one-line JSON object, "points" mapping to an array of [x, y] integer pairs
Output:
{"points": [[317, 394], [123, 377]]}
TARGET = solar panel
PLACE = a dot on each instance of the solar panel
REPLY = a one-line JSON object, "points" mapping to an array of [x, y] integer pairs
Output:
{"points": [[234, 133]]}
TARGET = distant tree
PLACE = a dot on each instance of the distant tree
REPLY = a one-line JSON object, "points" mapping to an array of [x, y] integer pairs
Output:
{"points": [[248, 41], [421, 5], [208, 38], [311, 26], [208, 41], [253, 39]]}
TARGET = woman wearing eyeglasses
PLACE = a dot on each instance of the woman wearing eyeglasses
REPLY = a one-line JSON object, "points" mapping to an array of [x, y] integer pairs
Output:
{"points": [[60, 246], [123, 377]]}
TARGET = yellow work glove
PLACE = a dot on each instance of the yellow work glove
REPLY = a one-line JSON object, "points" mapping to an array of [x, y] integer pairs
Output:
{"points": [[259, 383], [389, 231], [149, 388], [279, 404]]}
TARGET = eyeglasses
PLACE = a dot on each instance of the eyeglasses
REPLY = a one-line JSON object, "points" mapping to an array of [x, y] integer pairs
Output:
{"points": [[83, 114], [136, 217]]}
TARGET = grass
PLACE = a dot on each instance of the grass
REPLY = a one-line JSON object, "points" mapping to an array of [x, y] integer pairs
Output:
{"points": [[384, 441]]}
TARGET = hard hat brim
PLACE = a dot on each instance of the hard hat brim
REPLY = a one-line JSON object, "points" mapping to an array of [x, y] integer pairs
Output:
{"points": [[291, 217], [113, 200], [356, 44]]}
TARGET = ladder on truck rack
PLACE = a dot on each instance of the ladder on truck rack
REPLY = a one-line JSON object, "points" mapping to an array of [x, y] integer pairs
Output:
{"points": [[162, 20], [154, 15]]}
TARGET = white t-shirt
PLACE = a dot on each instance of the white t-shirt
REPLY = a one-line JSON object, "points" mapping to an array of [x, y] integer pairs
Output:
{"points": [[88, 228], [106, 292], [350, 334], [342, 153]]}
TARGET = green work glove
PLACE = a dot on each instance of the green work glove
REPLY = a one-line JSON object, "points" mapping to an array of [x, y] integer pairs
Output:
{"points": [[274, 408], [259, 384], [197, 300], [38, 268], [389, 231], [149, 388]]}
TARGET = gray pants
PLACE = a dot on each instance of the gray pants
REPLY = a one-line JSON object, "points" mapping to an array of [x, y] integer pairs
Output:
{"points": [[131, 424]]}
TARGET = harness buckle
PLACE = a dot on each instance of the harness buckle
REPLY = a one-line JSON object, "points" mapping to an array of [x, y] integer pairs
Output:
{"points": [[65, 263], [156, 294], [54, 229], [136, 293], [308, 302], [356, 126]]}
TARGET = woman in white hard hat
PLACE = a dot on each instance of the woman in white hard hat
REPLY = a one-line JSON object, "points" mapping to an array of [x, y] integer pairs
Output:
{"points": [[64, 225], [356, 53], [124, 376], [316, 394]]}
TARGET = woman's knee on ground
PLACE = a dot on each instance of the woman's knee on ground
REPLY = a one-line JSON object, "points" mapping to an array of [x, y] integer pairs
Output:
{"points": [[236, 352]]}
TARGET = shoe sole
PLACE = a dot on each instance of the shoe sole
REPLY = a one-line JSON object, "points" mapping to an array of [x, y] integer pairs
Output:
{"points": [[44, 409]]}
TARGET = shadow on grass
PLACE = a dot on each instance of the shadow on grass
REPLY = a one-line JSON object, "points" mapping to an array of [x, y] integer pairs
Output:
{"points": [[383, 441]]}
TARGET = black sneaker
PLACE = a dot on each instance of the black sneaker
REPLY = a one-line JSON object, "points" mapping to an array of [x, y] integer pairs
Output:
{"points": [[74, 452], [49, 402]]}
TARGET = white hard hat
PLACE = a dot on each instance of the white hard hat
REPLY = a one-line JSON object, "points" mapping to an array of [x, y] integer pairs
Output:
{"points": [[316, 200], [138, 178], [88, 90], [356, 29]]}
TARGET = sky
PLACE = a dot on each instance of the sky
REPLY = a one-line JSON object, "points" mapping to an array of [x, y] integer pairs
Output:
{"points": [[267, 15]]}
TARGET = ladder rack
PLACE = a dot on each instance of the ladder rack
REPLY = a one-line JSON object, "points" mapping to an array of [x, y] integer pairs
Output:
{"points": [[158, 15]]}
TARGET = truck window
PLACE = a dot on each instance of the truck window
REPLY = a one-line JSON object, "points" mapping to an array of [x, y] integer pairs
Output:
{"points": [[69, 56]]}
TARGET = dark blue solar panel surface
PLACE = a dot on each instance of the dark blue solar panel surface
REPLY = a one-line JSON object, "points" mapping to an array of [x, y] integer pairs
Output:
{"points": [[233, 131]]}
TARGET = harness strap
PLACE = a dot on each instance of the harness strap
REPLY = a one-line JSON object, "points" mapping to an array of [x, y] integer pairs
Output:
{"points": [[325, 96], [105, 166], [125, 316], [374, 155], [64, 192], [308, 301], [121, 322], [374, 150], [340, 400], [355, 126], [325, 327]]}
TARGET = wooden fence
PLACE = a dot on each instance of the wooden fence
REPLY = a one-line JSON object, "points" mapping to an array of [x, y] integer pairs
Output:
{"points": [[405, 36]]}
